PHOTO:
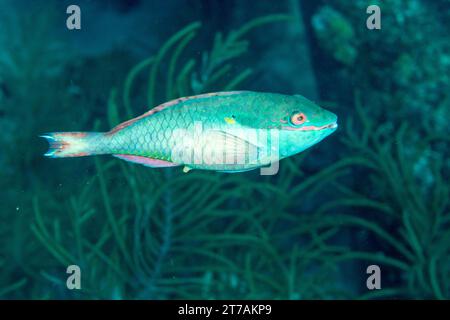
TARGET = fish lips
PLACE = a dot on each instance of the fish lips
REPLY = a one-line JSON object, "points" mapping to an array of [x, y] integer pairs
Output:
{"points": [[331, 126]]}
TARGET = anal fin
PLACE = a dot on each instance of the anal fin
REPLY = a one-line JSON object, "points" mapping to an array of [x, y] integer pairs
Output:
{"points": [[236, 171], [146, 161]]}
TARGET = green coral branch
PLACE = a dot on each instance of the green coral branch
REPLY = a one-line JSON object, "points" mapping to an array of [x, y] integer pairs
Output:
{"points": [[170, 93], [129, 81], [109, 212], [160, 55], [13, 287], [255, 23]]}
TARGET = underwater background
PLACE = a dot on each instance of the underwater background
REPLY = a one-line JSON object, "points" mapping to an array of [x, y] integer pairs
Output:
{"points": [[375, 192]]}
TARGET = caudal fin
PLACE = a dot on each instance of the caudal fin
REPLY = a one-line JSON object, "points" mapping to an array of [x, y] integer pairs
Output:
{"points": [[72, 144]]}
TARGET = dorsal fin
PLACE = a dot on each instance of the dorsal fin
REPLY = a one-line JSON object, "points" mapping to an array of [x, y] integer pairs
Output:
{"points": [[169, 104]]}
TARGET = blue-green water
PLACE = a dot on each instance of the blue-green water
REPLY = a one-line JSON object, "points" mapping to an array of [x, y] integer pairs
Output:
{"points": [[367, 206]]}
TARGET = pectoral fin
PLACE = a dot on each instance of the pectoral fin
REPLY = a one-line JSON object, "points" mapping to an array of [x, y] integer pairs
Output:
{"points": [[186, 169]]}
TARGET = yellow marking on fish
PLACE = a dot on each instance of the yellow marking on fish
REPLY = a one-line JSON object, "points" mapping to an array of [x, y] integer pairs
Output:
{"points": [[230, 120]]}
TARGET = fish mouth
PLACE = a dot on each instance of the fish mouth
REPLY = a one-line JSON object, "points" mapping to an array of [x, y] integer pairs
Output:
{"points": [[332, 125]]}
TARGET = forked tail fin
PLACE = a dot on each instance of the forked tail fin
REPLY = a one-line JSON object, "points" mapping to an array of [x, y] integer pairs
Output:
{"points": [[75, 144]]}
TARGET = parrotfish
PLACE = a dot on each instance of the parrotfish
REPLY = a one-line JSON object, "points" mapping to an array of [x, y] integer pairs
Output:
{"points": [[226, 131]]}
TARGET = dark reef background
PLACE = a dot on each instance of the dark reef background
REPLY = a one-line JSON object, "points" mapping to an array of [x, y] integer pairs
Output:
{"points": [[375, 192]]}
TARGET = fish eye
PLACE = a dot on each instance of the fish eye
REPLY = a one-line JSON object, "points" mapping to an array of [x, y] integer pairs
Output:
{"points": [[298, 118]]}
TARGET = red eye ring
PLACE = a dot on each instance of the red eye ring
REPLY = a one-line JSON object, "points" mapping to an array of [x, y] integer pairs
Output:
{"points": [[298, 119]]}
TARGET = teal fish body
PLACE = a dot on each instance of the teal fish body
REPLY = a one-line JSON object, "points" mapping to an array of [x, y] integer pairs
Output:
{"points": [[226, 131]]}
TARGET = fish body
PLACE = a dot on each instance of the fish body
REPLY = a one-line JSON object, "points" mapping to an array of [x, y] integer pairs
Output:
{"points": [[226, 131]]}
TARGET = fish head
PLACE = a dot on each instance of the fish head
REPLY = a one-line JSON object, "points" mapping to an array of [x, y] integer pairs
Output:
{"points": [[302, 124]]}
